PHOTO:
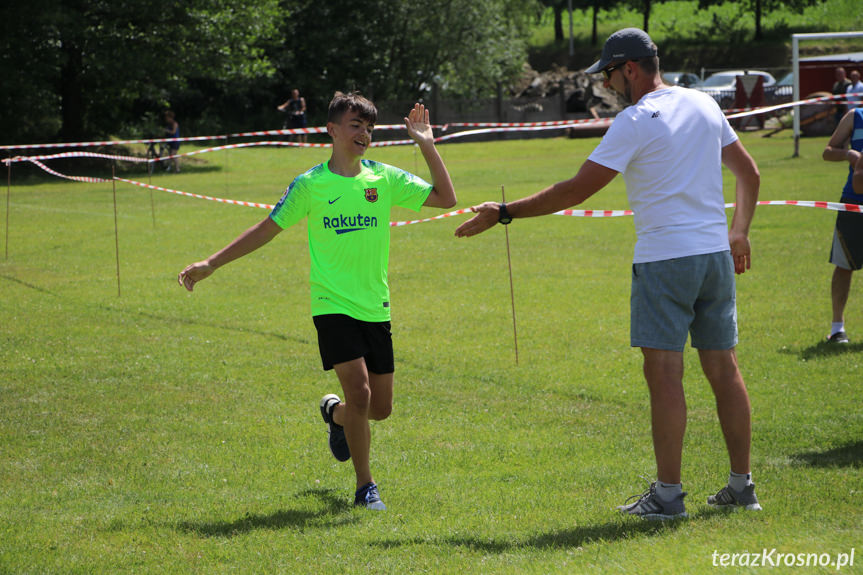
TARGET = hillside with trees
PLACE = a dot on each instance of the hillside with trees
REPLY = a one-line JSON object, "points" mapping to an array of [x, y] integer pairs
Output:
{"points": [[82, 69]]}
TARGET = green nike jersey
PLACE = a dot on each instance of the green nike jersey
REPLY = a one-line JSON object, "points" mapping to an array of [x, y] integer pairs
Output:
{"points": [[349, 233]]}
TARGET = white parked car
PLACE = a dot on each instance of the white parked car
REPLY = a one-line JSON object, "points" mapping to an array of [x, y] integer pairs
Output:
{"points": [[722, 85], [784, 88]]}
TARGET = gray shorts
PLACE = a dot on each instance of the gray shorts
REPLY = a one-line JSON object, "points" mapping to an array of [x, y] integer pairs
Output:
{"points": [[692, 295]]}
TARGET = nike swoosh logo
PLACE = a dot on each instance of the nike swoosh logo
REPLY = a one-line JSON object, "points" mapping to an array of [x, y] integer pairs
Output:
{"points": [[334, 201]]}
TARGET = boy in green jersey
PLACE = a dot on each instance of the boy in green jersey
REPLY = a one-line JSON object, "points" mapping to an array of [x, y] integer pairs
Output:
{"points": [[347, 202]]}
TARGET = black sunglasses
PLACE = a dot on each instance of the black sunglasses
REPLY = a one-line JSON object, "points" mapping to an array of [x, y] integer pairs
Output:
{"points": [[607, 71]]}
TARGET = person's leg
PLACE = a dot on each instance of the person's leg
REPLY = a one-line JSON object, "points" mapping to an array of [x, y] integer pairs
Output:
{"points": [[175, 161], [840, 287], [663, 370], [353, 414], [381, 385], [732, 404]]}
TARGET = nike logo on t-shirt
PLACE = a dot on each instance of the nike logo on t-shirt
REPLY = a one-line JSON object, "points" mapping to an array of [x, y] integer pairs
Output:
{"points": [[334, 201]]}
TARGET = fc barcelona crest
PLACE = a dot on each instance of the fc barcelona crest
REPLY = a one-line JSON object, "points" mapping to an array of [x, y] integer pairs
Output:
{"points": [[371, 195]]}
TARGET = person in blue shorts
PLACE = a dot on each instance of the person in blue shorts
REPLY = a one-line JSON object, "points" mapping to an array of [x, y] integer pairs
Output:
{"points": [[670, 146]]}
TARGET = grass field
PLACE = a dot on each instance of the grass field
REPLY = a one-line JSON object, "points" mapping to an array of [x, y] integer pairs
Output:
{"points": [[165, 432]]}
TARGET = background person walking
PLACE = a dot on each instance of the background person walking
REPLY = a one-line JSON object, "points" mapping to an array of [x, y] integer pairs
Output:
{"points": [[296, 110]]}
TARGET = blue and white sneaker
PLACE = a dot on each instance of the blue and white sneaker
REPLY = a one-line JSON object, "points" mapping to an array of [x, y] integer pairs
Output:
{"points": [[648, 505], [338, 443], [367, 496]]}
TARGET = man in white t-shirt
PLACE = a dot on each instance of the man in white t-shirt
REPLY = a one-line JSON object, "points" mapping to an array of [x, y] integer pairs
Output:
{"points": [[670, 146], [854, 91]]}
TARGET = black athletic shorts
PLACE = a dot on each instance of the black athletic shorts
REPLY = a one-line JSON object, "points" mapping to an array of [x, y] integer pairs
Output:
{"points": [[847, 249], [342, 338]]}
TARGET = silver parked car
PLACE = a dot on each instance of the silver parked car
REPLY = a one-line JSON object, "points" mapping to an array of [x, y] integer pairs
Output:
{"points": [[685, 79], [722, 85]]}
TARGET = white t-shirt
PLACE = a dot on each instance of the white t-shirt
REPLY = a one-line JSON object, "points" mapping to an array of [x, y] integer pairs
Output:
{"points": [[668, 146], [855, 100]]}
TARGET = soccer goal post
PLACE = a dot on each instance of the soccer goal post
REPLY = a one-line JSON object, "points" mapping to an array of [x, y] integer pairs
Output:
{"points": [[795, 62]]}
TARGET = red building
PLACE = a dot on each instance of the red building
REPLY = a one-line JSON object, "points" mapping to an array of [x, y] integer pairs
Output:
{"points": [[817, 73]]}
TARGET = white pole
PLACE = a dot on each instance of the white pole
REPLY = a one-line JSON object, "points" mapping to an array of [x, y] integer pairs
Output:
{"points": [[795, 91]]}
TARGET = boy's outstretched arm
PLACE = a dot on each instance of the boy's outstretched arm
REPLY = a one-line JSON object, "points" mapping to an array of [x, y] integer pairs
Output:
{"points": [[420, 130], [246, 243]]}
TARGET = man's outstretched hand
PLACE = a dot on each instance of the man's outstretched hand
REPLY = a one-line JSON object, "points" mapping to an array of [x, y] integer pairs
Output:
{"points": [[487, 216]]}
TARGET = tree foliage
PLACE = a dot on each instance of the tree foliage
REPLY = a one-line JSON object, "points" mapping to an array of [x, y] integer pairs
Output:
{"points": [[393, 49], [760, 7], [77, 69], [83, 68]]}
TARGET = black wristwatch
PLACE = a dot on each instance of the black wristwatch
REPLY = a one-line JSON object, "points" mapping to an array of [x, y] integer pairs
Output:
{"points": [[504, 216]]}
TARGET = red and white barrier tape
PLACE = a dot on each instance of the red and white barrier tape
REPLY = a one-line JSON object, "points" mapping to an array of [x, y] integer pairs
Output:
{"points": [[136, 159], [743, 112], [835, 206], [437, 217], [199, 196], [67, 177], [594, 213], [738, 112]]}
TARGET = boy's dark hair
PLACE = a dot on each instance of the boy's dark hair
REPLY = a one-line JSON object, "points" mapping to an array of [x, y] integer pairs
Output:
{"points": [[352, 102]]}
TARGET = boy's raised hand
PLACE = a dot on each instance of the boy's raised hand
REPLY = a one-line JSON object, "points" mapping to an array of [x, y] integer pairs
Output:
{"points": [[417, 123]]}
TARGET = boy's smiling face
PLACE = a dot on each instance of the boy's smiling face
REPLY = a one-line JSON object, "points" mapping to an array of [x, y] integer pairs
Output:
{"points": [[352, 134]]}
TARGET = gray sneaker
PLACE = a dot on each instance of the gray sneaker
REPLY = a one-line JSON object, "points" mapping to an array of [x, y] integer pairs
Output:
{"points": [[648, 505], [337, 441], [367, 496], [728, 498], [838, 337]]}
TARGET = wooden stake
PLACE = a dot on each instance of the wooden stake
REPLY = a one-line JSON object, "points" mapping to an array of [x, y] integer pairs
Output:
{"points": [[511, 291], [8, 193], [116, 231]]}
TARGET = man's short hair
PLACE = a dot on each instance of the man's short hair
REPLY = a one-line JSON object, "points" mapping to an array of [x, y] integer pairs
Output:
{"points": [[351, 102], [649, 66]]}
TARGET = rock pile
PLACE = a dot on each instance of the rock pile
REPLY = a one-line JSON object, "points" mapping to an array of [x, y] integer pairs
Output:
{"points": [[584, 93]]}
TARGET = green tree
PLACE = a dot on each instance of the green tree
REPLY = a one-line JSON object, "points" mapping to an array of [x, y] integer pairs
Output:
{"points": [[390, 49], [594, 6], [760, 7], [644, 7], [98, 63], [558, 8]]}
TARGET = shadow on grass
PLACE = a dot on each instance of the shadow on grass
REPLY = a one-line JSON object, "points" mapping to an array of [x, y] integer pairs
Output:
{"points": [[564, 538], [27, 285], [199, 323], [848, 455], [330, 509], [824, 349], [169, 319]]}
